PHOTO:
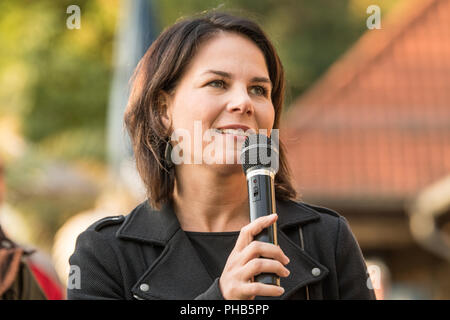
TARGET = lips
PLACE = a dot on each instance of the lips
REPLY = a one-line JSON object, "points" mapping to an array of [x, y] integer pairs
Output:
{"points": [[235, 129], [235, 126]]}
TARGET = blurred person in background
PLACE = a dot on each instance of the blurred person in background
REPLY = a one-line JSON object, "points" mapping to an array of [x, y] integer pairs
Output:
{"points": [[25, 274]]}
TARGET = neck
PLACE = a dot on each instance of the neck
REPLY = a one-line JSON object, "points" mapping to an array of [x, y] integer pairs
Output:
{"points": [[206, 200]]}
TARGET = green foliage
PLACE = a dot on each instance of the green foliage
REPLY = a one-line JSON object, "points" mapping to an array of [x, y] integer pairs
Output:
{"points": [[56, 81], [72, 95], [68, 72]]}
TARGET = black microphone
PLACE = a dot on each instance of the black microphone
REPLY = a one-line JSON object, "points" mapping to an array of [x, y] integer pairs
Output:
{"points": [[260, 159]]}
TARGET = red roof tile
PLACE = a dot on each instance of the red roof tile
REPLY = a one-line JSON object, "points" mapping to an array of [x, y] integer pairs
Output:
{"points": [[378, 123]]}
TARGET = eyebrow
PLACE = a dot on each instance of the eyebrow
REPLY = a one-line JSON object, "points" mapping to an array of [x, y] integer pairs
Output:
{"points": [[228, 75]]}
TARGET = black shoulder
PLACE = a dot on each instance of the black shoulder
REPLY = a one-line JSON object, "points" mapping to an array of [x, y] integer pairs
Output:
{"points": [[322, 209], [105, 222]]}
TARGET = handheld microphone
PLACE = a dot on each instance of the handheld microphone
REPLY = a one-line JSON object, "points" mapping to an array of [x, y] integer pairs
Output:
{"points": [[260, 158]]}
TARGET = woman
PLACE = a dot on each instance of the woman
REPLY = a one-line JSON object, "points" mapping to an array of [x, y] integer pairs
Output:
{"points": [[210, 76]]}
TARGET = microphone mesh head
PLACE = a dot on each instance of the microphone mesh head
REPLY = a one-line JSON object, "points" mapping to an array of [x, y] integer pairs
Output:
{"points": [[259, 151]]}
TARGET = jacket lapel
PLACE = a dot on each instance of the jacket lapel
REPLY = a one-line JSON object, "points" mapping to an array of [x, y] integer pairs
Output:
{"points": [[301, 265], [178, 273]]}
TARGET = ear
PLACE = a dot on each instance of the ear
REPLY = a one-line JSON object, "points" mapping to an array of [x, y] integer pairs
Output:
{"points": [[165, 101]]}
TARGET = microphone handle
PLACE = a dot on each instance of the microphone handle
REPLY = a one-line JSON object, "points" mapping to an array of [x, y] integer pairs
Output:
{"points": [[261, 194]]}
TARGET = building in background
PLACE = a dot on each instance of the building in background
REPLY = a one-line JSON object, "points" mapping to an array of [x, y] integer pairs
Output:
{"points": [[371, 137]]}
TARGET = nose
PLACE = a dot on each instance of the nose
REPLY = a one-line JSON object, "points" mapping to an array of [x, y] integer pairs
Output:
{"points": [[241, 103]]}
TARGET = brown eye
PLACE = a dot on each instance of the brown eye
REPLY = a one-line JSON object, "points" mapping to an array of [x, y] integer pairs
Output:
{"points": [[217, 84], [261, 91]]}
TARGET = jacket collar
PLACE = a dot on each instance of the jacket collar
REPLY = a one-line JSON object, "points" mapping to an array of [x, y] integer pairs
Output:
{"points": [[144, 224], [167, 278]]}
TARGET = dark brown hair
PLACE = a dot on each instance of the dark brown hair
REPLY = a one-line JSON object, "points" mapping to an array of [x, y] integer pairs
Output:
{"points": [[160, 69]]}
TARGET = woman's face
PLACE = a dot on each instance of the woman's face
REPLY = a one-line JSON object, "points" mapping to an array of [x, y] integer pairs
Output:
{"points": [[226, 84]]}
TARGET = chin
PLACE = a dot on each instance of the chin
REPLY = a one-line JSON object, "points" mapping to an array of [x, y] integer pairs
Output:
{"points": [[227, 169]]}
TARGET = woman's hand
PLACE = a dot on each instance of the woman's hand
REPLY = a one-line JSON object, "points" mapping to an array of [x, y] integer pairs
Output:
{"points": [[246, 260]]}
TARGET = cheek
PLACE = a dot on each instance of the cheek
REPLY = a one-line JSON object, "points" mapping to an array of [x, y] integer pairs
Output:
{"points": [[266, 117], [192, 121], [189, 118], [195, 108]]}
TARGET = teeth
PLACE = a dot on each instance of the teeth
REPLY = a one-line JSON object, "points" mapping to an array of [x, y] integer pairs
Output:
{"points": [[239, 132]]}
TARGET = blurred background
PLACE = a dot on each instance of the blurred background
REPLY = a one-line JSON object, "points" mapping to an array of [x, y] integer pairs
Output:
{"points": [[366, 122]]}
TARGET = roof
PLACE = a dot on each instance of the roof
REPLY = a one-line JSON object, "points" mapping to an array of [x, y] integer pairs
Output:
{"points": [[377, 124]]}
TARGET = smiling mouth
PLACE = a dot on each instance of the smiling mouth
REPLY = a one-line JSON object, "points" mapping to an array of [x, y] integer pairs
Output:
{"points": [[234, 132]]}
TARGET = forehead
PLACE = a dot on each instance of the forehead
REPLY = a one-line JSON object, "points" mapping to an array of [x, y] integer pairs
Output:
{"points": [[229, 52]]}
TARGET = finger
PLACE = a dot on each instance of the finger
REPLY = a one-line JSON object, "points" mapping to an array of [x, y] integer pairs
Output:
{"points": [[260, 289], [252, 229], [262, 265], [258, 249]]}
